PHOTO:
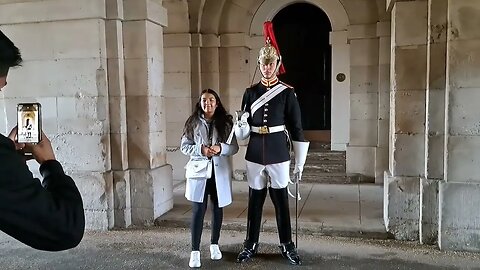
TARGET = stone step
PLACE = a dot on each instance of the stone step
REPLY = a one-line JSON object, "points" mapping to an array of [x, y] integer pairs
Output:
{"points": [[324, 167], [321, 178], [335, 178], [325, 155], [330, 178], [319, 146]]}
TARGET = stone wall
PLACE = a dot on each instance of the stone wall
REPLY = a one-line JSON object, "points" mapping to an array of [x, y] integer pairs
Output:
{"points": [[97, 69], [431, 188], [459, 218], [407, 119]]}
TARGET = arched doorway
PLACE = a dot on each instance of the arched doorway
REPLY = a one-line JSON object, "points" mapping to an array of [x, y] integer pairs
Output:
{"points": [[302, 31]]}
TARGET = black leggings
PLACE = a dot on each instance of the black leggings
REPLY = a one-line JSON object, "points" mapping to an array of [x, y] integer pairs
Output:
{"points": [[198, 213]]}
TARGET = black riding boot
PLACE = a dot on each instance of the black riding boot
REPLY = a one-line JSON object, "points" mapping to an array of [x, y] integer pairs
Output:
{"points": [[289, 252], [255, 207], [282, 212]]}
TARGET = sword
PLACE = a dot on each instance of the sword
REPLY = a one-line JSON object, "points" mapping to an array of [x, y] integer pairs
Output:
{"points": [[297, 197], [296, 211]]}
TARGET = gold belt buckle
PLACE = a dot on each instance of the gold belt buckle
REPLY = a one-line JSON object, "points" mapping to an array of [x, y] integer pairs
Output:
{"points": [[264, 130]]}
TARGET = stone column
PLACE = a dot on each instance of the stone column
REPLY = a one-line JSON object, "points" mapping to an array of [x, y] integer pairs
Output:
{"points": [[340, 90], [178, 100], [209, 64], [234, 69], [407, 119], [117, 106], [435, 120], [363, 99], [234, 79], [383, 116], [459, 216], [151, 185], [248, 74], [65, 69]]}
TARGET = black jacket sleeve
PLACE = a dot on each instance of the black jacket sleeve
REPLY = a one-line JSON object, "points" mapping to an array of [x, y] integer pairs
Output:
{"points": [[246, 103], [293, 117], [46, 217]]}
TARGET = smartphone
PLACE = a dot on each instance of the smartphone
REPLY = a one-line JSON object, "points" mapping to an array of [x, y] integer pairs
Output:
{"points": [[29, 123]]}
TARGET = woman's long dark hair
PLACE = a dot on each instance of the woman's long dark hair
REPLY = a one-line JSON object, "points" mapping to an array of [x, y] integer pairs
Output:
{"points": [[222, 121]]}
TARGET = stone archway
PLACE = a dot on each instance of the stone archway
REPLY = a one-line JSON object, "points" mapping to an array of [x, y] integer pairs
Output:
{"points": [[302, 31], [340, 98]]}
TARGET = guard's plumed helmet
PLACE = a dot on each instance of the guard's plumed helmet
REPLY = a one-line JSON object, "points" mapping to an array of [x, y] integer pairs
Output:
{"points": [[268, 54]]}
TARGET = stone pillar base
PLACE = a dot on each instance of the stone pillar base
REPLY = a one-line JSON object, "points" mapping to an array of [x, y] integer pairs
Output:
{"points": [[428, 211], [459, 216], [151, 194], [401, 204]]}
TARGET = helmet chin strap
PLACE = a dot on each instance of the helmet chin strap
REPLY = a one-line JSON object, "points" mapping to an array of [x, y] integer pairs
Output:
{"points": [[279, 63]]}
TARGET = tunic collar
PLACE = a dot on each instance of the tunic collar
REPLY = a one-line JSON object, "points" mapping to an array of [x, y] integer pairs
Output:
{"points": [[269, 82]]}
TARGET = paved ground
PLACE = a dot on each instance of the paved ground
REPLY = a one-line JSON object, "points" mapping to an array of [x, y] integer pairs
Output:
{"points": [[326, 212], [345, 210], [168, 248]]}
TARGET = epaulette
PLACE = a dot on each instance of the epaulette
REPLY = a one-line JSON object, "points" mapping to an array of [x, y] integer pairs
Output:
{"points": [[286, 84]]}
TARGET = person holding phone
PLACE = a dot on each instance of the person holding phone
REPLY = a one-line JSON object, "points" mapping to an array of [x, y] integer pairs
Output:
{"points": [[45, 215], [206, 137]]}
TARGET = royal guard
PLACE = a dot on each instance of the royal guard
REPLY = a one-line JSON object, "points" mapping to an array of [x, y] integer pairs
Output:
{"points": [[271, 118]]}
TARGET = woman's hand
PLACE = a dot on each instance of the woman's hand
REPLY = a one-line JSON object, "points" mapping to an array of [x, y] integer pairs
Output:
{"points": [[207, 151], [216, 149]]}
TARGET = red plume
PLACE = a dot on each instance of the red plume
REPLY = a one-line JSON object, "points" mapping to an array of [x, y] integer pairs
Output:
{"points": [[269, 34]]}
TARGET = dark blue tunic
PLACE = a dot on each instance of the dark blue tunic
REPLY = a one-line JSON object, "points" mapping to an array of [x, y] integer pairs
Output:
{"points": [[283, 109]]}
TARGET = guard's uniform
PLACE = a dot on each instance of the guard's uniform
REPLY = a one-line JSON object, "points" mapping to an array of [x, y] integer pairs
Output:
{"points": [[268, 154], [273, 114]]}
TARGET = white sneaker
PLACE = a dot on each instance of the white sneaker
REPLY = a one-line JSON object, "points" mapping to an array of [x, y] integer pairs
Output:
{"points": [[215, 253], [194, 259]]}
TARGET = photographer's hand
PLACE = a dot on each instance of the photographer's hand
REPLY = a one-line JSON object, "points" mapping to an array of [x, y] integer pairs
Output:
{"points": [[13, 136], [20, 147], [42, 151]]}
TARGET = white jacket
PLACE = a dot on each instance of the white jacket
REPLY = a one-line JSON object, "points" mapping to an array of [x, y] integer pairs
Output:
{"points": [[195, 188]]}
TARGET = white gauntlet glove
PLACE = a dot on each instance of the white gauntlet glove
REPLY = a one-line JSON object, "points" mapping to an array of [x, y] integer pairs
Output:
{"points": [[241, 126], [300, 149]]}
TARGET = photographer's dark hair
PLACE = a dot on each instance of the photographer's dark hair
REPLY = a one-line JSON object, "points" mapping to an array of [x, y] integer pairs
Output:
{"points": [[9, 55], [222, 121]]}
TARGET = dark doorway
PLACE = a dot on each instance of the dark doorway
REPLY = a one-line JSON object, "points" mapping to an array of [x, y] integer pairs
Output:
{"points": [[302, 32]]}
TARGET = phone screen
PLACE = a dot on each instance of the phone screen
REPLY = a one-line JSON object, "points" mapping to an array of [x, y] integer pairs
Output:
{"points": [[29, 123]]}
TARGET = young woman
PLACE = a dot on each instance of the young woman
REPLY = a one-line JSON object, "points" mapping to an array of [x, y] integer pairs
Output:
{"points": [[204, 137]]}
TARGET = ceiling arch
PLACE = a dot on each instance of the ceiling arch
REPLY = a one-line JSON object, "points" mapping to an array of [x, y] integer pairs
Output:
{"points": [[269, 8], [247, 16], [210, 19], [195, 12]]}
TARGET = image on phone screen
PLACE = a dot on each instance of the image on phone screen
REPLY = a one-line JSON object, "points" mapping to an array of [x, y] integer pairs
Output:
{"points": [[28, 123]]}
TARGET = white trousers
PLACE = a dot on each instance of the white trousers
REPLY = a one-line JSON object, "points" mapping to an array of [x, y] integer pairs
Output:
{"points": [[259, 176]]}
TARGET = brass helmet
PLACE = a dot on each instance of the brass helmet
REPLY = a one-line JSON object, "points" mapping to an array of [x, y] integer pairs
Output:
{"points": [[268, 54]]}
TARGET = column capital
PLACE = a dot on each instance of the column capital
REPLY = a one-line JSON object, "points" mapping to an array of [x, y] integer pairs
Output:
{"points": [[177, 40], [235, 40], [361, 31], [51, 10], [383, 29], [391, 3], [136, 10], [339, 37]]}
